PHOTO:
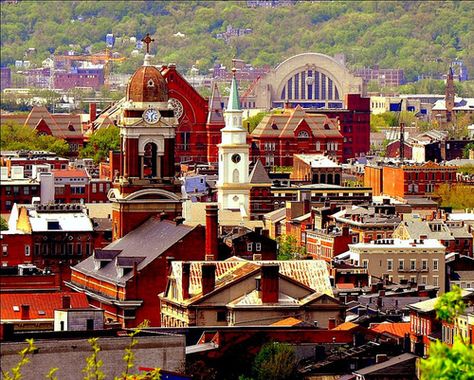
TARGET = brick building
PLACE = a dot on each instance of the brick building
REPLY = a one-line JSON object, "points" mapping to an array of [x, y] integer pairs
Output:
{"points": [[125, 281], [79, 77], [261, 199], [316, 168], [71, 185], [242, 293], [327, 243], [409, 180], [281, 135], [383, 77]]}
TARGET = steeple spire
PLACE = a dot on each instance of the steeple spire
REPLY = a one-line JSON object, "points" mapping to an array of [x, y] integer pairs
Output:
{"points": [[234, 101]]}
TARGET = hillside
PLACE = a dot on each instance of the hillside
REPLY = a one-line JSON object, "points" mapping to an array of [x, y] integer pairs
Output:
{"points": [[420, 37]]}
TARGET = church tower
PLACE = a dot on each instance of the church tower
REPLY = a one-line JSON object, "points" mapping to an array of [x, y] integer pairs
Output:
{"points": [[449, 95], [233, 184], [146, 184]]}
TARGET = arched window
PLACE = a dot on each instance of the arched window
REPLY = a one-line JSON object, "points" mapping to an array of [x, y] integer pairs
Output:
{"points": [[329, 179], [318, 146], [235, 176], [150, 167], [337, 179], [303, 135]]}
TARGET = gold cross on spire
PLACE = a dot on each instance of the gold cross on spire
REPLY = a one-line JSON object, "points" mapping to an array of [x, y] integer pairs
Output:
{"points": [[148, 40]]}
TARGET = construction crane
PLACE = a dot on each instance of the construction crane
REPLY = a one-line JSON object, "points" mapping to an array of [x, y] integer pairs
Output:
{"points": [[249, 90], [104, 58]]}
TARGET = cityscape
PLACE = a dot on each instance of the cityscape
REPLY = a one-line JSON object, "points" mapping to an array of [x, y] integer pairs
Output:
{"points": [[252, 190]]}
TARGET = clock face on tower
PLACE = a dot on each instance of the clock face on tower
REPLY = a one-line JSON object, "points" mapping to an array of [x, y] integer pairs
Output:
{"points": [[151, 116], [235, 158]]}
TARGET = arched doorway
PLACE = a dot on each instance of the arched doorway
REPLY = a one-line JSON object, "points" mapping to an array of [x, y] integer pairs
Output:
{"points": [[150, 161]]}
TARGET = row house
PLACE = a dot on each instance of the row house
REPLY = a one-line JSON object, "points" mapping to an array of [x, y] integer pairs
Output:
{"points": [[28, 160], [409, 180], [237, 292], [16, 188], [324, 244], [454, 235], [52, 237], [366, 222], [248, 244], [417, 261], [281, 135], [425, 327], [462, 326]]}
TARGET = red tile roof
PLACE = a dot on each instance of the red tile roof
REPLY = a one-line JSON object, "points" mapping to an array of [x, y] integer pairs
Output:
{"points": [[396, 328], [42, 305], [345, 286], [70, 173]]}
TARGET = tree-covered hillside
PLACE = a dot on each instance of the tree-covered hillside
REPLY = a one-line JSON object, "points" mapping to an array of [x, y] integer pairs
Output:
{"points": [[419, 36]]}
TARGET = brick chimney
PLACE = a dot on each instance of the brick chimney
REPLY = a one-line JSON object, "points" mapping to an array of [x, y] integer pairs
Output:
{"points": [[269, 283], [92, 112], [66, 302], [25, 312], [185, 280], [208, 279], [211, 231]]}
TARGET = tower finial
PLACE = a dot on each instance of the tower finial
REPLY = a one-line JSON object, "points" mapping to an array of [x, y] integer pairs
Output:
{"points": [[234, 70]]}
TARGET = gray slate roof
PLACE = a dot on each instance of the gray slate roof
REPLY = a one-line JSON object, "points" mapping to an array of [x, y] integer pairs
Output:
{"points": [[259, 175], [142, 245]]}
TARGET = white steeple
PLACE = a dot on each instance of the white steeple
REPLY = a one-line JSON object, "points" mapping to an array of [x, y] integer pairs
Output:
{"points": [[233, 183]]}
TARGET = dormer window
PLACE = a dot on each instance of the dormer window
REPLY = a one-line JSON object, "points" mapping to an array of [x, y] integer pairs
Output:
{"points": [[303, 135], [150, 83]]}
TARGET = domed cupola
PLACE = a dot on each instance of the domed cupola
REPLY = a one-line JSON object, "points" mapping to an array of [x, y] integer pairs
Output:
{"points": [[147, 85]]}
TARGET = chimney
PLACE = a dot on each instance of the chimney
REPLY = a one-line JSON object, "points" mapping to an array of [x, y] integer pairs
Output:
{"points": [[66, 302], [163, 216], [211, 231], [179, 220], [306, 206], [185, 280], [92, 112], [331, 323], [266, 233], [208, 279], [25, 312], [270, 286], [380, 358]]}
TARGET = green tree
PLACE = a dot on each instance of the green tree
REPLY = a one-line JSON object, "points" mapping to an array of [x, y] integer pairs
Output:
{"points": [[444, 362], [275, 361], [289, 249], [101, 142], [252, 121], [3, 224], [17, 137]]}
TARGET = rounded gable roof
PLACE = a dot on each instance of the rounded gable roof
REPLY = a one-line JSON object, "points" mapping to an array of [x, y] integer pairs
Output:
{"points": [[147, 85]]}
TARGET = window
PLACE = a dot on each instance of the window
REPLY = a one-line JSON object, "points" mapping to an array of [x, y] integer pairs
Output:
{"points": [[412, 264], [26, 190], [249, 247], [258, 247], [70, 248], [5, 249], [221, 316], [401, 264], [435, 281], [424, 264], [16, 190], [389, 264], [27, 250], [79, 249], [435, 264], [424, 280], [303, 135], [101, 187], [78, 190], [37, 249], [94, 188], [365, 263]]}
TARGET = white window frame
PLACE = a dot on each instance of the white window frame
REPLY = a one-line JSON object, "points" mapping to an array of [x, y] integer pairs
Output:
{"points": [[258, 247], [249, 247], [412, 264], [435, 265], [402, 262], [390, 265], [27, 250]]}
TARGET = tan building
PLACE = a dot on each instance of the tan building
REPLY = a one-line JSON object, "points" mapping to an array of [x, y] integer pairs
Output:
{"points": [[237, 292], [419, 261], [316, 168]]}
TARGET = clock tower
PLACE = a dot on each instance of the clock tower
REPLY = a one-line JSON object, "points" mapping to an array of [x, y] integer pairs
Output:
{"points": [[233, 183], [146, 183]]}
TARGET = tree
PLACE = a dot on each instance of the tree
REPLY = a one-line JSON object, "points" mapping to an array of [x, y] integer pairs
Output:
{"points": [[101, 142], [288, 248], [458, 196], [253, 121], [19, 137], [275, 361], [3, 224], [444, 362]]}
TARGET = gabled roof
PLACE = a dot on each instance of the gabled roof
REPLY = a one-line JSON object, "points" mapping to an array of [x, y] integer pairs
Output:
{"points": [[42, 305], [402, 365], [70, 173], [346, 326], [144, 245], [398, 329], [216, 113], [259, 175], [275, 215], [312, 274], [290, 321]]}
